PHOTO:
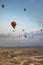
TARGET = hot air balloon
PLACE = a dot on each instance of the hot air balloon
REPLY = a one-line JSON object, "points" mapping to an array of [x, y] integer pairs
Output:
{"points": [[23, 29], [13, 30], [13, 24], [3, 6], [24, 9], [25, 35], [41, 30]]}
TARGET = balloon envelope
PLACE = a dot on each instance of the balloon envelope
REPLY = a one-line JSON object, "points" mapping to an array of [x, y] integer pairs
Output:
{"points": [[13, 24]]}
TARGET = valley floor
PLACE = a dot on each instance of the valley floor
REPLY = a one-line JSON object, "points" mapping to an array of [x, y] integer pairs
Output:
{"points": [[21, 56]]}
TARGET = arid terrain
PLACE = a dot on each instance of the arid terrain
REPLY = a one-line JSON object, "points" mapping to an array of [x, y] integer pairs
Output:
{"points": [[21, 56]]}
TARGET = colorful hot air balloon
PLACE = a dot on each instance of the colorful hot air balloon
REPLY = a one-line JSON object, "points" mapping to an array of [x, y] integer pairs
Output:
{"points": [[13, 24]]}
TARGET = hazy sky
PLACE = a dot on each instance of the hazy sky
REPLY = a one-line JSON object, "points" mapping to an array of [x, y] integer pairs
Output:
{"points": [[31, 20]]}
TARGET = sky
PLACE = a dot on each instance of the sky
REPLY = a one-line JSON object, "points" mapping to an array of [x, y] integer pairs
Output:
{"points": [[30, 20]]}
